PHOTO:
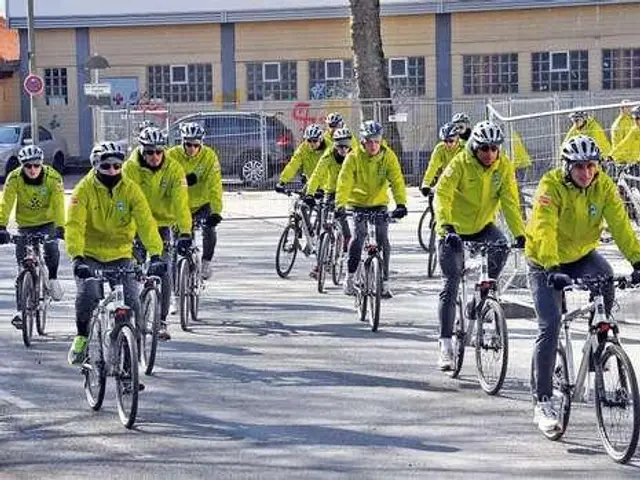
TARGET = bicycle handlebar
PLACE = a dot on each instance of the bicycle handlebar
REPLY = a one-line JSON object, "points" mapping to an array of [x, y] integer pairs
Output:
{"points": [[33, 237], [595, 283]]}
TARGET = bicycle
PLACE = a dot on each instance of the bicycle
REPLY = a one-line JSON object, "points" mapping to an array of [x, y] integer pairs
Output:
{"points": [[427, 236], [112, 332], [150, 296], [331, 248], [602, 354], [367, 280], [299, 224], [627, 184], [188, 282], [486, 319], [32, 289]]}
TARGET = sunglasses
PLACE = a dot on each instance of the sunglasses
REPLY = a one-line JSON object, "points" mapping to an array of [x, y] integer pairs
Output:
{"points": [[157, 151], [29, 166], [450, 140], [192, 145], [312, 140], [487, 148], [343, 147], [106, 166]]}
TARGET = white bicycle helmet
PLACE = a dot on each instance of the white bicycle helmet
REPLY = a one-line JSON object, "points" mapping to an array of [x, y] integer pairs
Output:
{"points": [[342, 136], [31, 153], [448, 130], [312, 132], [635, 112], [191, 131], [152, 137], [461, 117], [485, 133], [106, 150], [334, 120]]}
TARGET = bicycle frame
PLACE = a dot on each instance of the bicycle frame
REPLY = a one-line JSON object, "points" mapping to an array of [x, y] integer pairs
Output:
{"points": [[632, 193]]}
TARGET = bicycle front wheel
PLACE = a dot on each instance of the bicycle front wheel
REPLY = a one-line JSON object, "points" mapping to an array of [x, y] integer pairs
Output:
{"points": [[126, 376], [150, 309], [287, 251], [195, 287], [492, 346], [617, 403], [424, 229], [458, 340], [94, 367], [324, 260], [184, 297], [373, 275], [337, 258], [41, 311], [28, 305]]}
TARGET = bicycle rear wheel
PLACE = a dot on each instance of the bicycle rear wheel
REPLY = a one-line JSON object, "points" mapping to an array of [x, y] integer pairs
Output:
{"points": [[337, 258], [287, 251], [424, 229], [492, 347], [126, 376], [94, 367], [458, 340], [361, 290], [184, 297], [324, 259], [617, 403], [42, 305], [373, 275], [28, 305], [561, 392], [150, 308], [195, 287]]}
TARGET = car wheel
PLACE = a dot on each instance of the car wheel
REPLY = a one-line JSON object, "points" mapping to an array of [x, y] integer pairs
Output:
{"points": [[252, 172], [58, 162], [12, 164]]}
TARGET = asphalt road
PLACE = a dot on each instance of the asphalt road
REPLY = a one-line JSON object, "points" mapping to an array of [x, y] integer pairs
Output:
{"points": [[278, 381]]}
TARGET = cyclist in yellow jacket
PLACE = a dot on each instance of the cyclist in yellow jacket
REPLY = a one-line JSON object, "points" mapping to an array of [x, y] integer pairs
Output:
{"points": [[628, 149], [37, 192], [477, 182], [463, 121], [163, 183], [448, 147], [622, 124], [585, 124], [363, 184], [305, 158], [105, 212], [571, 204], [204, 178], [335, 121]]}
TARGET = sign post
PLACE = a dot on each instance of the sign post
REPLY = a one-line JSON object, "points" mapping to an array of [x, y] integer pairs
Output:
{"points": [[31, 82]]}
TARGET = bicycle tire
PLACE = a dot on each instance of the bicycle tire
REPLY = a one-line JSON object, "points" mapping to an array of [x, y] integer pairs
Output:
{"points": [[360, 284], [195, 285], [561, 390], [126, 375], [374, 277], [41, 312], [432, 263], [27, 305], [458, 340], [337, 258], [492, 312], [324, 260], [628, 392], [424, 223], [283, 270], [183, 293], [94, 367], [149, 303]]}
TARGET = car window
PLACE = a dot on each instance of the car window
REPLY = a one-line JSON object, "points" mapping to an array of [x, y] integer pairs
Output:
{"points": [[9, 135], [44, 134]]}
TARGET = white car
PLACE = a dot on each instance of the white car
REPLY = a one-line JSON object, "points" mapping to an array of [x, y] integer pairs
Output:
{"points": [[14, 136]]}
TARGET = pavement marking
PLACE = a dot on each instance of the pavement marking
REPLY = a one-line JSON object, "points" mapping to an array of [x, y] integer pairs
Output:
{"points": [[16, 401]]}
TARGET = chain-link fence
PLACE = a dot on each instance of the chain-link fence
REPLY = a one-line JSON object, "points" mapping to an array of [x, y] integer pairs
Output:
{"points": [[122, 125]]}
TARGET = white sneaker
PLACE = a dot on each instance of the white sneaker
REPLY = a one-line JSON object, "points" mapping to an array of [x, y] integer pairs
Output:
{"points": [[206, 269], [445, 362], [173, 305], [55, 289], [347, 286], [386, 291], [546, 416]]}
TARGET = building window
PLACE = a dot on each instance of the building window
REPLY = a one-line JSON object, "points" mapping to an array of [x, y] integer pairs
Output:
{"points": [[272, 81], [331, 79], [620, 68], [560, 71], [55, 86], [181, 83], [407, 77], [490, 74]]}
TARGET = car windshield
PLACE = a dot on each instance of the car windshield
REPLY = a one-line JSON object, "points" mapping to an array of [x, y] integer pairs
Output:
{"points": [[9, 134]]}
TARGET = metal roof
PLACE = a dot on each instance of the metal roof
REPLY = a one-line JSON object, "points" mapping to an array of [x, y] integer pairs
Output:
{"points": [[165, 12]]}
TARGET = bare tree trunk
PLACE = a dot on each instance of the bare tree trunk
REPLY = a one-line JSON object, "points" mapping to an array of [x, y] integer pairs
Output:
{"points": [[371, 66]]}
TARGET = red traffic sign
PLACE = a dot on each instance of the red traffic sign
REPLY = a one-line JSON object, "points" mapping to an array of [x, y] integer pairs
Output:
{"points": [[33, 84]]}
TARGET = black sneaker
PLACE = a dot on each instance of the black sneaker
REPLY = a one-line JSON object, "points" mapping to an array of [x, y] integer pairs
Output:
{"points": [[163, 333]]}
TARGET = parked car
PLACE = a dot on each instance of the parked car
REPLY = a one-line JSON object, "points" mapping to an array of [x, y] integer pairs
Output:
{"points": [[14, 136], [239, 138]]}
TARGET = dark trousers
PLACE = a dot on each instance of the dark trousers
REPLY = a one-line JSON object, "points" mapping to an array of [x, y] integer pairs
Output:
{"points": [[359, 228], [140, 254], [209, 234]]}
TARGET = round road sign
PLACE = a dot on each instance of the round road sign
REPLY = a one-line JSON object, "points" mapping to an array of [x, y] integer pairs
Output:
{"points": [[33, 84]]}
